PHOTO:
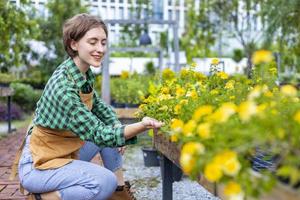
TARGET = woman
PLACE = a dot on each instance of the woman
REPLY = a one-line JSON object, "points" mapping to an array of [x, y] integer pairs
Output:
{"points": [[70, 117]]}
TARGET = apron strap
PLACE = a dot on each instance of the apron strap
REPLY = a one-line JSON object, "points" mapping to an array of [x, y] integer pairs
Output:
{"points": [[14, 167]]}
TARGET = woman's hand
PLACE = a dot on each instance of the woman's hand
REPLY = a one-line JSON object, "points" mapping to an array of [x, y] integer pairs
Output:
{"points": [[122, 150], [150, 123]]}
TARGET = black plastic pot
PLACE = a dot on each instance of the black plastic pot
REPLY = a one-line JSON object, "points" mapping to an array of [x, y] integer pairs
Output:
{"points": [[151, 157], [176, 171]]}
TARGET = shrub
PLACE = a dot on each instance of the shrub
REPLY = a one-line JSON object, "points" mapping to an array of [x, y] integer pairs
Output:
{"points": [[25, 96], [16, 112]]}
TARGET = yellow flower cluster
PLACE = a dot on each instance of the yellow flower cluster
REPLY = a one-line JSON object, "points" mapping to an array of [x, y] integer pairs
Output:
{"points": [[262, 56], [124, 74], [224, 163], [189, 154]]}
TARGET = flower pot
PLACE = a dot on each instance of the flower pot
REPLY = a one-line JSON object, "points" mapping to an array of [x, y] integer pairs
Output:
{"points": [[176, 171], [151, 157], [130, 105]]}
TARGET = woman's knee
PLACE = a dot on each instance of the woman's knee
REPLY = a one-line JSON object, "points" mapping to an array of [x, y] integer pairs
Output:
{"points": [[107, 186]]}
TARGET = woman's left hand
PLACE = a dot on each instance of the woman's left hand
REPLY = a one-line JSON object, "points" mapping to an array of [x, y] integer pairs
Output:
{"points": [[122, 150]]}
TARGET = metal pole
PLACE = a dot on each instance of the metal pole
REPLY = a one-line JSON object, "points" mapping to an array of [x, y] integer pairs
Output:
{"points": [[105, 91], [160, 59], [9, 113], [176, 46], [167, 179]]}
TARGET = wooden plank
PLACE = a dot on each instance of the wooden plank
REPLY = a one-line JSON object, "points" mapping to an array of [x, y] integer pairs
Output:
{"points": [[126, 113], [6, 91]]}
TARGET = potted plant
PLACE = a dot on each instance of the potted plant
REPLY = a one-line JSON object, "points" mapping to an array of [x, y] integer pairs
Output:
{"points": [[150, 154]]}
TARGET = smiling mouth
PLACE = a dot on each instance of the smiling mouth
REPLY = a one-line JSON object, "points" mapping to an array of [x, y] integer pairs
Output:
{"points": [[98, 57]]}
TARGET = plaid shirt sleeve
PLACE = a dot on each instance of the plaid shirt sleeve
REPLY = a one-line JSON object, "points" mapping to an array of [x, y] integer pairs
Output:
{"points": [[104, 111], [87, 125], [107, 115]]}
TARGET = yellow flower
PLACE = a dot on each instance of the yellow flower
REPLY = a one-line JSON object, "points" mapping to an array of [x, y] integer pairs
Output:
{"points": [[200, 76], [215, 61], [230, 85], [124, 74], [223, 113], [184, 72], [268, 94], [189, 127], [261, 109], [165, 90], [214, 92], [187, 163], [213, 172], [174, 137], [179, 91], [192, 148], [193, 94], [177, 109], [223, 75], [288, 91], [193, 65], [257, 91], [168, 74], [224, 156], [246, 109], [232, 97], [297, 116], [262, 56], [183, 102], [201, 111], [273, 71], [231, 167], [204, 130], [233, 191], [177, 125]]}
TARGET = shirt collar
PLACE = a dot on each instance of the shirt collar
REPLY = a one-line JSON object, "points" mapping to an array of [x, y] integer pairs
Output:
{"points": [[77, 76]]}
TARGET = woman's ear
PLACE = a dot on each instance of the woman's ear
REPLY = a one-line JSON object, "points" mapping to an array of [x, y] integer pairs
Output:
{"points": [[73, 45]]}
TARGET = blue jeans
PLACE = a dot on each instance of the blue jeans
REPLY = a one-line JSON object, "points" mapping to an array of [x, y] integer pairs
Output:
{"points": [[79, 179]]}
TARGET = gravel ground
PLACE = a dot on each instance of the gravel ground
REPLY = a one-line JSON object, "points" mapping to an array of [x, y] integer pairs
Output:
{"points": [[147, 181]]}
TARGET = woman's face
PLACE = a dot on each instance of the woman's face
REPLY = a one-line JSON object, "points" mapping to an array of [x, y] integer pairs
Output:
{"points": [[91, 47]]}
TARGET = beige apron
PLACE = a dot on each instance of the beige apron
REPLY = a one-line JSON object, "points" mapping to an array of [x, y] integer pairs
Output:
{"points": [[52, 148]]}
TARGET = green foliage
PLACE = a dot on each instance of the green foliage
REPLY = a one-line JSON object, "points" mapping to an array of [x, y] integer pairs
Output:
{"points": [[283, 28], [6, 78], [150, 68], [237, 55], [59, 12], [16, 29], [25, 96], [129, 90], [199, 36]]}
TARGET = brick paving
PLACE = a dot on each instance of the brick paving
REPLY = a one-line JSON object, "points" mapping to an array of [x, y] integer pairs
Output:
{"points": [[8, 148]]}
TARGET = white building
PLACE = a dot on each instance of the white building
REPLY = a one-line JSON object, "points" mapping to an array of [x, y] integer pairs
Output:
{"points": [[125, 9]]}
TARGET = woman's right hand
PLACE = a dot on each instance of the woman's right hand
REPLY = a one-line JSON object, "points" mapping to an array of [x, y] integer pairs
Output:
{"points": [[150, 123]]}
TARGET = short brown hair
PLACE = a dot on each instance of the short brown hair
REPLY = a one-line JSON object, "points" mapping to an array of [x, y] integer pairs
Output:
{"points": [[76, 27]]}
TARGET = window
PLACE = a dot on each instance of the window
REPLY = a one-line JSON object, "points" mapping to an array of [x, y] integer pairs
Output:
{"points": [[121, 13]]}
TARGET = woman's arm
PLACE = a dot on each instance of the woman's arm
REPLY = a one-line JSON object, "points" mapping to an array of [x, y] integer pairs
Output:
{"points": [[132, 130]]}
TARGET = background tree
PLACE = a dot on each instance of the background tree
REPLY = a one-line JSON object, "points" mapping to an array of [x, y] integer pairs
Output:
{"points": [[59, 12], [198, 37], [282, 19], [16, 30]]}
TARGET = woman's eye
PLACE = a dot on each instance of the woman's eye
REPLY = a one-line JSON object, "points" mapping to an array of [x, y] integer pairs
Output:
{"points": [[92, 43]]}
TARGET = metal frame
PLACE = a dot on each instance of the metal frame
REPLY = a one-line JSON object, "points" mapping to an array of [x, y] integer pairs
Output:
{"points": [[105, 68]]}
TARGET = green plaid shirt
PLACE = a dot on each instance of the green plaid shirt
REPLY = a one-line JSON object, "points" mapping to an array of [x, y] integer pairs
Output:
{"points": [[60, 107]]}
